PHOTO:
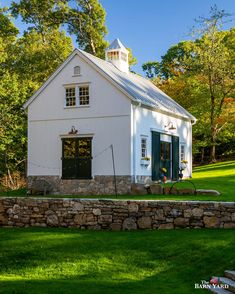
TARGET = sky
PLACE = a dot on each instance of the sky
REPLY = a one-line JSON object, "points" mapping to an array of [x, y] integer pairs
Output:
{"points": [[151, 27]]}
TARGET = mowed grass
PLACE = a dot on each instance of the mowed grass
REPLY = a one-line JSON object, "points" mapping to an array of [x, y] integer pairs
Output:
{"points": [[73, 261], [219, 176]]}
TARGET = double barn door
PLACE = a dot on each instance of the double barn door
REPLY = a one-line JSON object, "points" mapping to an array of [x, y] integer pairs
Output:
{"points": [[76, 158]]}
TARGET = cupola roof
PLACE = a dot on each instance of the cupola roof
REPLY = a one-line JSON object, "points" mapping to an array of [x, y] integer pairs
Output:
{"points": [[117, 44]]}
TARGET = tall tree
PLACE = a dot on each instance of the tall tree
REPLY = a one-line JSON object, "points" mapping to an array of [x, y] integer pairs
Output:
{"points": [[83, 18], [131, 59], [12, 95], [36, 59], [215, 64], [151, 69], [86, 20], [200, 76], [25, 63], [41, 16]]}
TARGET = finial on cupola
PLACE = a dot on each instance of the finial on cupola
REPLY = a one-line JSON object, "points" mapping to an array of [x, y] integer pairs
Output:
{"points": [[117, 54]]}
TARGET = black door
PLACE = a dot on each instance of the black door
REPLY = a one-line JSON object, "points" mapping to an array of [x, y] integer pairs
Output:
{"points": [[76, 158], [155, 156], [175, 158]]}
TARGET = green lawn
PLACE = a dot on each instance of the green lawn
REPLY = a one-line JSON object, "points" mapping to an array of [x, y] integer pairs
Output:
{"points": [[219, 176], [72, 261]]}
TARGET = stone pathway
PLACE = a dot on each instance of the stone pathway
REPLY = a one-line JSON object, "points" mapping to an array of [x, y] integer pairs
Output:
{"points": [[228, 279]]}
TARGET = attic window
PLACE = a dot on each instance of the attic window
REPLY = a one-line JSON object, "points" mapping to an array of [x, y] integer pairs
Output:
{"points": [[77, 70], [113, 55]]}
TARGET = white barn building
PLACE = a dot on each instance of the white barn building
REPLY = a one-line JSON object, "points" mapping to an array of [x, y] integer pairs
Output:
{"points": [[89, 104]]}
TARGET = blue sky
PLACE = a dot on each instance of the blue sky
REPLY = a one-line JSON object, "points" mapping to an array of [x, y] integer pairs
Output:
{"points": [[150, 27]]}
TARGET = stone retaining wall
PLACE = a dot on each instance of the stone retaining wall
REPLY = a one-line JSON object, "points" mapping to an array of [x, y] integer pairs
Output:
{"points": [[115, 215]]}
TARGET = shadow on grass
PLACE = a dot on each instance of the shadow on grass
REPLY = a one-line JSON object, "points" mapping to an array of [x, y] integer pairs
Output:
{"points": [[112, 262], [228, 165]]}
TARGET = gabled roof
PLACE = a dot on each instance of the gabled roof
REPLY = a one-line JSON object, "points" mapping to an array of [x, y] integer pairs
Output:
{"points": [[137, 88], [116, 44]]}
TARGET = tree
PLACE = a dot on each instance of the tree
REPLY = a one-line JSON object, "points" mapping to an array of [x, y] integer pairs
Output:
{"points": [[215, 65], [131, 59], [87, 22], [83, 18], [43, 15], [36, 59], [12, 95], [151, 69], [199, 74], [25, 63]]}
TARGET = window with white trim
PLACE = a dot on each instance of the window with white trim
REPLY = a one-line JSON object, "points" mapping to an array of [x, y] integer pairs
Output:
{"points": [[84, 95], [77, 70], [77, 96], [70, 96], [143, 147], [182, 152]]}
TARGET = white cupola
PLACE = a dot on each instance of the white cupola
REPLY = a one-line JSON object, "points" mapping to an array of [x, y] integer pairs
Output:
{"points": [[117, 54]]}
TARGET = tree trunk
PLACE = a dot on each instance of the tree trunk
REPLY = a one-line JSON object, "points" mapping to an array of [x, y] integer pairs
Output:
{"points": [[202, 154], [213, 143], [212, 153]]}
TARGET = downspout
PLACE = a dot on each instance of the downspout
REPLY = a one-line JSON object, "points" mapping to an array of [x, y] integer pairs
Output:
{"points": [[134, 139]]}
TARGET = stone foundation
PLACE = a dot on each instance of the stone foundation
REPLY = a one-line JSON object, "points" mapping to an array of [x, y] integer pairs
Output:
{"points": [[115, 215], [99, 185]]}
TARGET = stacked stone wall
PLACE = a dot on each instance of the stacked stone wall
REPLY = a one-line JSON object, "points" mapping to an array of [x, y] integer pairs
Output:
{"points": [[115, 214], [99, 185]]}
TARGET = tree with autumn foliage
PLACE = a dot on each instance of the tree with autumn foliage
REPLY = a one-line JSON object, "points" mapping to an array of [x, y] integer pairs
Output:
{"points": [[200, 76]]}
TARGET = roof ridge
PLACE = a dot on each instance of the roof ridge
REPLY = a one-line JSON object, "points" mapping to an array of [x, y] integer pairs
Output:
{"points": [[149, 100], [134, 86]]}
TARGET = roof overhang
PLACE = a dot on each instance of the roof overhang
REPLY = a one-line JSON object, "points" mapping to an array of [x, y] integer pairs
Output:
{"points": [[191, 119], [78, 52], [60, 68]]}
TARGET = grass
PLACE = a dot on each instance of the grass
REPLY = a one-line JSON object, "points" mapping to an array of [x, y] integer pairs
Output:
{"points": [[218, 176], [72, 261]]}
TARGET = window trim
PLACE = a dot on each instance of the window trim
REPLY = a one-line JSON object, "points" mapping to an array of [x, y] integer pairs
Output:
{"points": [[74, 68], [77, 86], [180, 153], [142, 137], [65, 98]]}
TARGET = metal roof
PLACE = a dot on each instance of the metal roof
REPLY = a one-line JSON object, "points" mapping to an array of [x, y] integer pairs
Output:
{"points": [[140, 89], [137, 88], [116, 44]]}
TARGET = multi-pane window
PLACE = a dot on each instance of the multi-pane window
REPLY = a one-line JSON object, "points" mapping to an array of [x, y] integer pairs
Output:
{"points": [[70, 96], [77, 96], [143, 147], [84, 95], [182, 152], [113, 55]]}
